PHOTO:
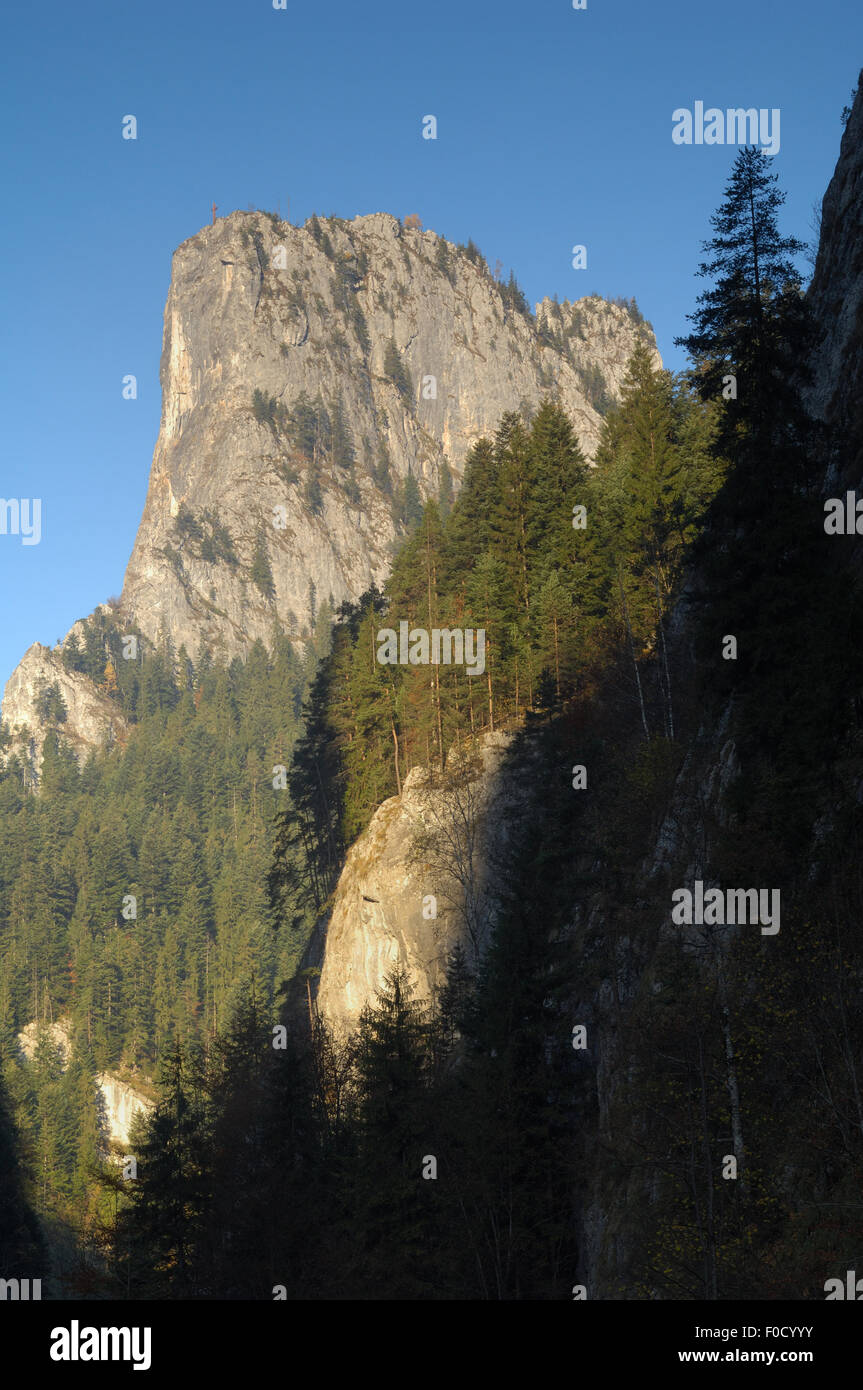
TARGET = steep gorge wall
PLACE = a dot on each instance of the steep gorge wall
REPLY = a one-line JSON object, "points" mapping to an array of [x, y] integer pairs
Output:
{"points": [[365, 937], [836, 296], [420, 880], [698, 810]]}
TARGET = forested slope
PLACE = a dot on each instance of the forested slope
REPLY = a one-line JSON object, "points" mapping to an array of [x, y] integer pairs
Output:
{"points": [[604, 1098], [608, 1099]]}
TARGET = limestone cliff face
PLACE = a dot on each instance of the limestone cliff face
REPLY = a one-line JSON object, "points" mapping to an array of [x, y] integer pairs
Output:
{"points": [[836, 295], [119, 1102], [41, 695], [258, 304], [405, 338], [377, 915], [430, 850], [685, 843]]}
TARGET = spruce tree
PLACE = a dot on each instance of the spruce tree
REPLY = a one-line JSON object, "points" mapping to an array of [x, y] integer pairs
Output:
{"points": [[557, 474], [395, 369], [342, 448], [412, 506], [393, 1060], [512, 504], [160, 1232], [469, 527], [260, 573], [754, 325], [22, 1249]]}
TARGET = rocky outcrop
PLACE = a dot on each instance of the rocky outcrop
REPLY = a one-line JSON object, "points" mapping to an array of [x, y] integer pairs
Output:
{"points": [[57, 1034], [420, 879], [41, 695], [119, 1102], [376, 351], [836, 296], [394, 329]]}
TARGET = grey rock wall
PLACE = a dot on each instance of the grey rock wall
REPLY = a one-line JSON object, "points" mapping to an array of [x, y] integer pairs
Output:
{"points": [[437, 841], [258, 304]]}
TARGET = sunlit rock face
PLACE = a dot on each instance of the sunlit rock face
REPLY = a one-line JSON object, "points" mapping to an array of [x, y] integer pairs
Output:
{"points": [[41, 696], [118, 1102], [421, 879], [122, 1103], [408, 339], [257, 304]]}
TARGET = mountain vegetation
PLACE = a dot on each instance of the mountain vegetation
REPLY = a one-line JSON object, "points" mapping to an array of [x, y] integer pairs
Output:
{"points": [[459, 1148]]}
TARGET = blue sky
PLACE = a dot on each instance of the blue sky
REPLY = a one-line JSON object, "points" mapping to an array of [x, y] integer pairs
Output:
{"points": [[554, 128]]}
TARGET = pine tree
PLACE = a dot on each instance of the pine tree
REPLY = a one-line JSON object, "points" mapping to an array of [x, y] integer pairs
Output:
{"points": [[513, 297], [558, 472], [303, 426], [442, 260], [411, 503], [159, 1234], [72, 656], [509, 517], [342, 448], [393, 1061], [489, 600], [554, 622], [395, 369], [260, 573], [382, 471], [445, 491], [754, 325], [469, 529], [654, 465], [312, 494], [22, 1249], [234, 1222]]}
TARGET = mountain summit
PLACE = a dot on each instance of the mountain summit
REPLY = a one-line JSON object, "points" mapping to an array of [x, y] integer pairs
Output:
{"points": [[318, 384]]}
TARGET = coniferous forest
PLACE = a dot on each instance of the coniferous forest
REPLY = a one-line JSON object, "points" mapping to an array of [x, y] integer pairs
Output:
{"points": [[282, 1159]]}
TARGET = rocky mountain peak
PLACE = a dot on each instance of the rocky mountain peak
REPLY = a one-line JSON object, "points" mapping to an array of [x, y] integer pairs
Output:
{"points": [[318, 383]]}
